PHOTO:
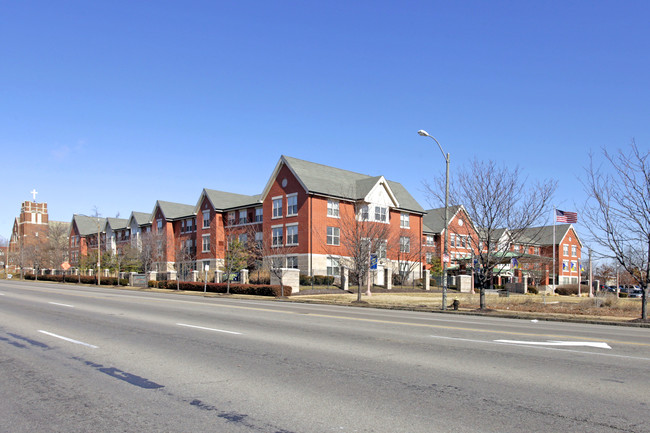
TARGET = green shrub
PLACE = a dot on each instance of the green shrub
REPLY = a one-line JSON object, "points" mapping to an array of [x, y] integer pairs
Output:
{"points": [[533, 290], [323, 280]]}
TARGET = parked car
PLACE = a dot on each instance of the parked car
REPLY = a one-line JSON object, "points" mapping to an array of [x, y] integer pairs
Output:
{"points": [[635, 293]]}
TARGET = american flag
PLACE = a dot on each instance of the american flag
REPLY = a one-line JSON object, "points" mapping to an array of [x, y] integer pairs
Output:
{"points": [[566, 217]]}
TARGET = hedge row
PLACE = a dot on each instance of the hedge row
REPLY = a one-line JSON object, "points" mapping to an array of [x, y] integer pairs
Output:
{"points": [[319, 280], [235, 289], [84, 279]]}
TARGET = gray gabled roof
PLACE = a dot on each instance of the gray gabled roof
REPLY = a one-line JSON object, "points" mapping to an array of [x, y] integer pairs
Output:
{"points": [[173, 211], [222, 200], [117, 223], [434, 219], [544, 235], [140, 218], [87, 225], [335, 182]]}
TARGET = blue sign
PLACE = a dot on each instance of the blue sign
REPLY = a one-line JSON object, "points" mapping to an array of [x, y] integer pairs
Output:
{"points": [[373, 261]]}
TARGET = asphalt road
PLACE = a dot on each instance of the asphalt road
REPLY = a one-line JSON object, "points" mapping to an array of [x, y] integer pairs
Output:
{"points": [[80, 359]]}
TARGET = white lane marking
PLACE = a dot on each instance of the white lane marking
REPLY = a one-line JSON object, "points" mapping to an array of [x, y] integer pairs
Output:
{"points": [[2, 294], [600, 345], [209, 329], [62, 305], [611, 355], [68, 339]]}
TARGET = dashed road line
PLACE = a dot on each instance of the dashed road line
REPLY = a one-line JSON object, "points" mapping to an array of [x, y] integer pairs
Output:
{"points": [[209, 329], [92, 346]]}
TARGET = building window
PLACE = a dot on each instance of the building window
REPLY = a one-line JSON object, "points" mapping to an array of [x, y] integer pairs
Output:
{"points": [[452, 240], [565, 249], [292, 235], [429, 256], [404, 221], [381, 249], [206, 219], [292, 262], [430, 240], [276, 236], [365, 214], [565, 265], [381, 214], [206, 243], [292, 204], [159, 225], [259, 213], [574, 250], [333, 236], [333, 267], [243, 217], [231, 218], [333, 208], [516, 248], [259, 238], [243, 238], [404, 244], [277, 207]]}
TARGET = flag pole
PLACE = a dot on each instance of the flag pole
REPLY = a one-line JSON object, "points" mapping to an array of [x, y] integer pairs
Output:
{"points": [[554, 268]]}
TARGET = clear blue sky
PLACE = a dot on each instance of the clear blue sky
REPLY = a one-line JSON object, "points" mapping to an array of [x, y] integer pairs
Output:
{"points": [[116, 104]]}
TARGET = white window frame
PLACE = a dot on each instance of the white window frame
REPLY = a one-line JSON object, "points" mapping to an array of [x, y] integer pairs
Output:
{"points": [[574, 250], [333, 236], [365, 213], [404, 244], [292, 262], [259, 214], [565, 250], [381, 214], [243, 216], [203, 243], [292, 204], [292, 238], [277, 240], [430, 240], [206, 219], [277, 207], [333, 266], [333, 208], [404, 221]]}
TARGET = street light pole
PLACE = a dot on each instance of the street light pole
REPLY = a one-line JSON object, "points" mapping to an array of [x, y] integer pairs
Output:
{"points": [[424, 133]]}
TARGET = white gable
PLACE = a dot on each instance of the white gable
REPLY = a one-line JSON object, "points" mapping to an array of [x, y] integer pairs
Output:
{"points": [[381, 195]]}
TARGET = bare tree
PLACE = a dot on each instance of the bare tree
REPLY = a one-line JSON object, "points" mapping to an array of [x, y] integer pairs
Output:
{"points": [[617, 211], [184, 255], [152, 249], [57, 244], [408, 255], [496, 197], [361, 237]]}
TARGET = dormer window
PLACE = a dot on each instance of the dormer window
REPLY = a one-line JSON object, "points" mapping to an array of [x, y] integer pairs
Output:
{"points": [[381, 214]]}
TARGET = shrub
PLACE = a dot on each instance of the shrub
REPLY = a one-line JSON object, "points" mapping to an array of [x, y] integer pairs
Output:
{"points": [[305, 280], [567, 290], [323, 280], [533, 290], [235, 289]]}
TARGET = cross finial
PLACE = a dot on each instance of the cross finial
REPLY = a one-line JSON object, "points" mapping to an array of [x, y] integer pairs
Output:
{"points": [[33, 193]]}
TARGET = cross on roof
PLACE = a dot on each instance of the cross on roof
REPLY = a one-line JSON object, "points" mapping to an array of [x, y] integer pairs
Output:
{"points": [[33, 193]]}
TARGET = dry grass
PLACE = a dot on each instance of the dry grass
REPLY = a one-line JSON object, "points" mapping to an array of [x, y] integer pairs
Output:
{"points": [[608, 306]]}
